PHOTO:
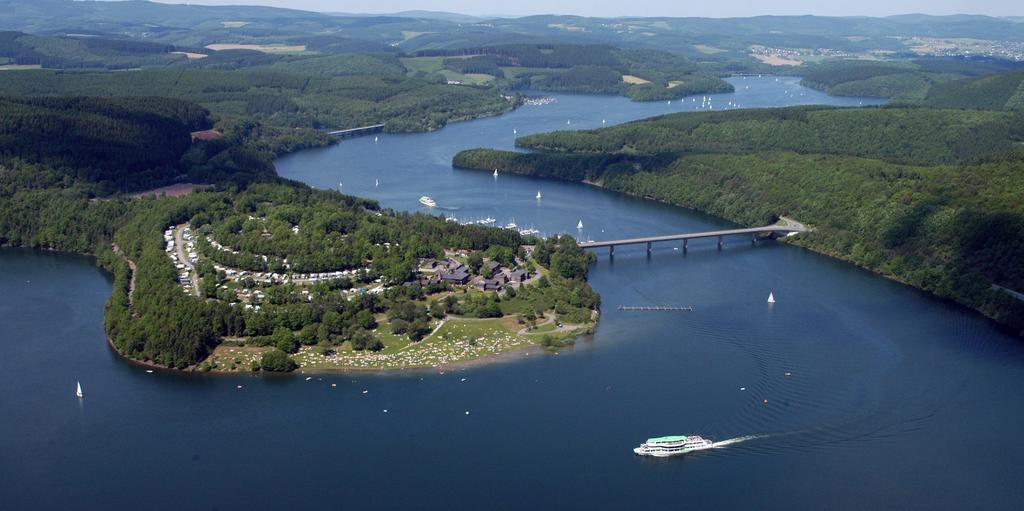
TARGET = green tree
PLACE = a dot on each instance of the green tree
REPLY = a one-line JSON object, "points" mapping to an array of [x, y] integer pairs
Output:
{"points": [[277, 361]]}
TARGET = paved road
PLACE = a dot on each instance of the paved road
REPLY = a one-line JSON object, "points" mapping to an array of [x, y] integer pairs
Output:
{"points": [[786, 225], [179, 245], [131, 283]]}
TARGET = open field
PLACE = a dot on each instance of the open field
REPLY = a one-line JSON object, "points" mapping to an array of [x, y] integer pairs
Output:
{"points": [[265, 48], [435, 65], [175, 190], [409, 34], [455, 341], [635, 80], [776, 60], [708, 50], [190, 55]]}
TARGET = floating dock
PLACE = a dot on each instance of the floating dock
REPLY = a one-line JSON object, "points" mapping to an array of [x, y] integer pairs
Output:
{"points": [[654, 308]]}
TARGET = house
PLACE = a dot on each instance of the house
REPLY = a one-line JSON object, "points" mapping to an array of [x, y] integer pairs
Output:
{"points": [[427, 280], [518, 276], [487, 285], [452, 265], [459, 276], [488, 269]]}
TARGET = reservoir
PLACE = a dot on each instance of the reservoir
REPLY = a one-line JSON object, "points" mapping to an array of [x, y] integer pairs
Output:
{"points": [[849, 392]]}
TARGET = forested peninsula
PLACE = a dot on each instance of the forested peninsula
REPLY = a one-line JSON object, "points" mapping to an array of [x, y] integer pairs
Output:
{"points": [[922, 195], [253, 272]]}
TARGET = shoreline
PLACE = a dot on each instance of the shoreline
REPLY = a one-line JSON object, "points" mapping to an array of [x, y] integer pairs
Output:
{"points": [[532, 345], [829, 254]]}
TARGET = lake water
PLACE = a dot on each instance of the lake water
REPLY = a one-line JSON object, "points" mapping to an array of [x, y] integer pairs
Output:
{"points": [[893, 399]]}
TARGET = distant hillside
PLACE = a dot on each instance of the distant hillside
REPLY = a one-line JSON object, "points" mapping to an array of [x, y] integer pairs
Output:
{"points": [[641, 75], [908, 80], [282, 99], [999, 92], [726, 42], [920, 136], [64, 52]]}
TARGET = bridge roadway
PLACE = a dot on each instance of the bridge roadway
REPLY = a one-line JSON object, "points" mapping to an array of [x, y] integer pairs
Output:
{"points": [[788, 226], [362, 130]]}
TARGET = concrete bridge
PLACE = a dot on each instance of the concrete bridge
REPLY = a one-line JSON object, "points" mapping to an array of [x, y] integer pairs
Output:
{"points": [[355, 132], [785, 226]]}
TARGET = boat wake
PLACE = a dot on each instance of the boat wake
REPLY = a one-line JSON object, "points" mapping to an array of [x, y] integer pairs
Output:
{"points": [[734, 441]]}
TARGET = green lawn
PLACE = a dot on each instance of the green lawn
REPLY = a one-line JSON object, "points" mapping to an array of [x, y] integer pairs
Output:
{"points": [[435, 65]]}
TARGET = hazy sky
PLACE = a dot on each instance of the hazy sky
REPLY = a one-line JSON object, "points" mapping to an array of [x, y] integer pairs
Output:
{"points": [[653, 7]]}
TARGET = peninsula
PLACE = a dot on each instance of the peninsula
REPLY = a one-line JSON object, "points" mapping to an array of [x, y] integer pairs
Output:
{"points": [[253, 272]]}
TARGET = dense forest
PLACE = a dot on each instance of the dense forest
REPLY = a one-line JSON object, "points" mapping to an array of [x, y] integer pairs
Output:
{"points": [[894, 134], [280, 99], [84, 52], [998, 92], [904, 80], [118, 142], [932, 198]]}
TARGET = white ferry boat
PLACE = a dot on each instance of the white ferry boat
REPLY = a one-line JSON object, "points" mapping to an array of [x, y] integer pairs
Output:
{"points": [[673, 445], [427, 201]]}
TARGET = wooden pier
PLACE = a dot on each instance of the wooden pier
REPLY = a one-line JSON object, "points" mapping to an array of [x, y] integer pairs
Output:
{"points": [[653, 308]]}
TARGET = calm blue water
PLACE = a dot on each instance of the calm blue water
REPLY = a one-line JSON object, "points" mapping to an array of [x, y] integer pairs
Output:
{"points": [[895, 400]]}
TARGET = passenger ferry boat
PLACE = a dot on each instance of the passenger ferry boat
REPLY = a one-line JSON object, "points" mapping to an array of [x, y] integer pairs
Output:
{"points": [[427, 201], [673, 445]]}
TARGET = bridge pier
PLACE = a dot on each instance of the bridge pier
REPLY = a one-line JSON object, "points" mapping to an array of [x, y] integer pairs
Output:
{"points": [[611, 250], [721, 242], [648, 247], [686, 244], [753, 239]]}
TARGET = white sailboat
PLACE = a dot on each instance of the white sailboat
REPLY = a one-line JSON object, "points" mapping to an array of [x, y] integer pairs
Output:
{"points": [[374, 140], [78, 389], [495, 172], [579, 225], [514, 132], [376, 182], [538, 194], [771, 297]]}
